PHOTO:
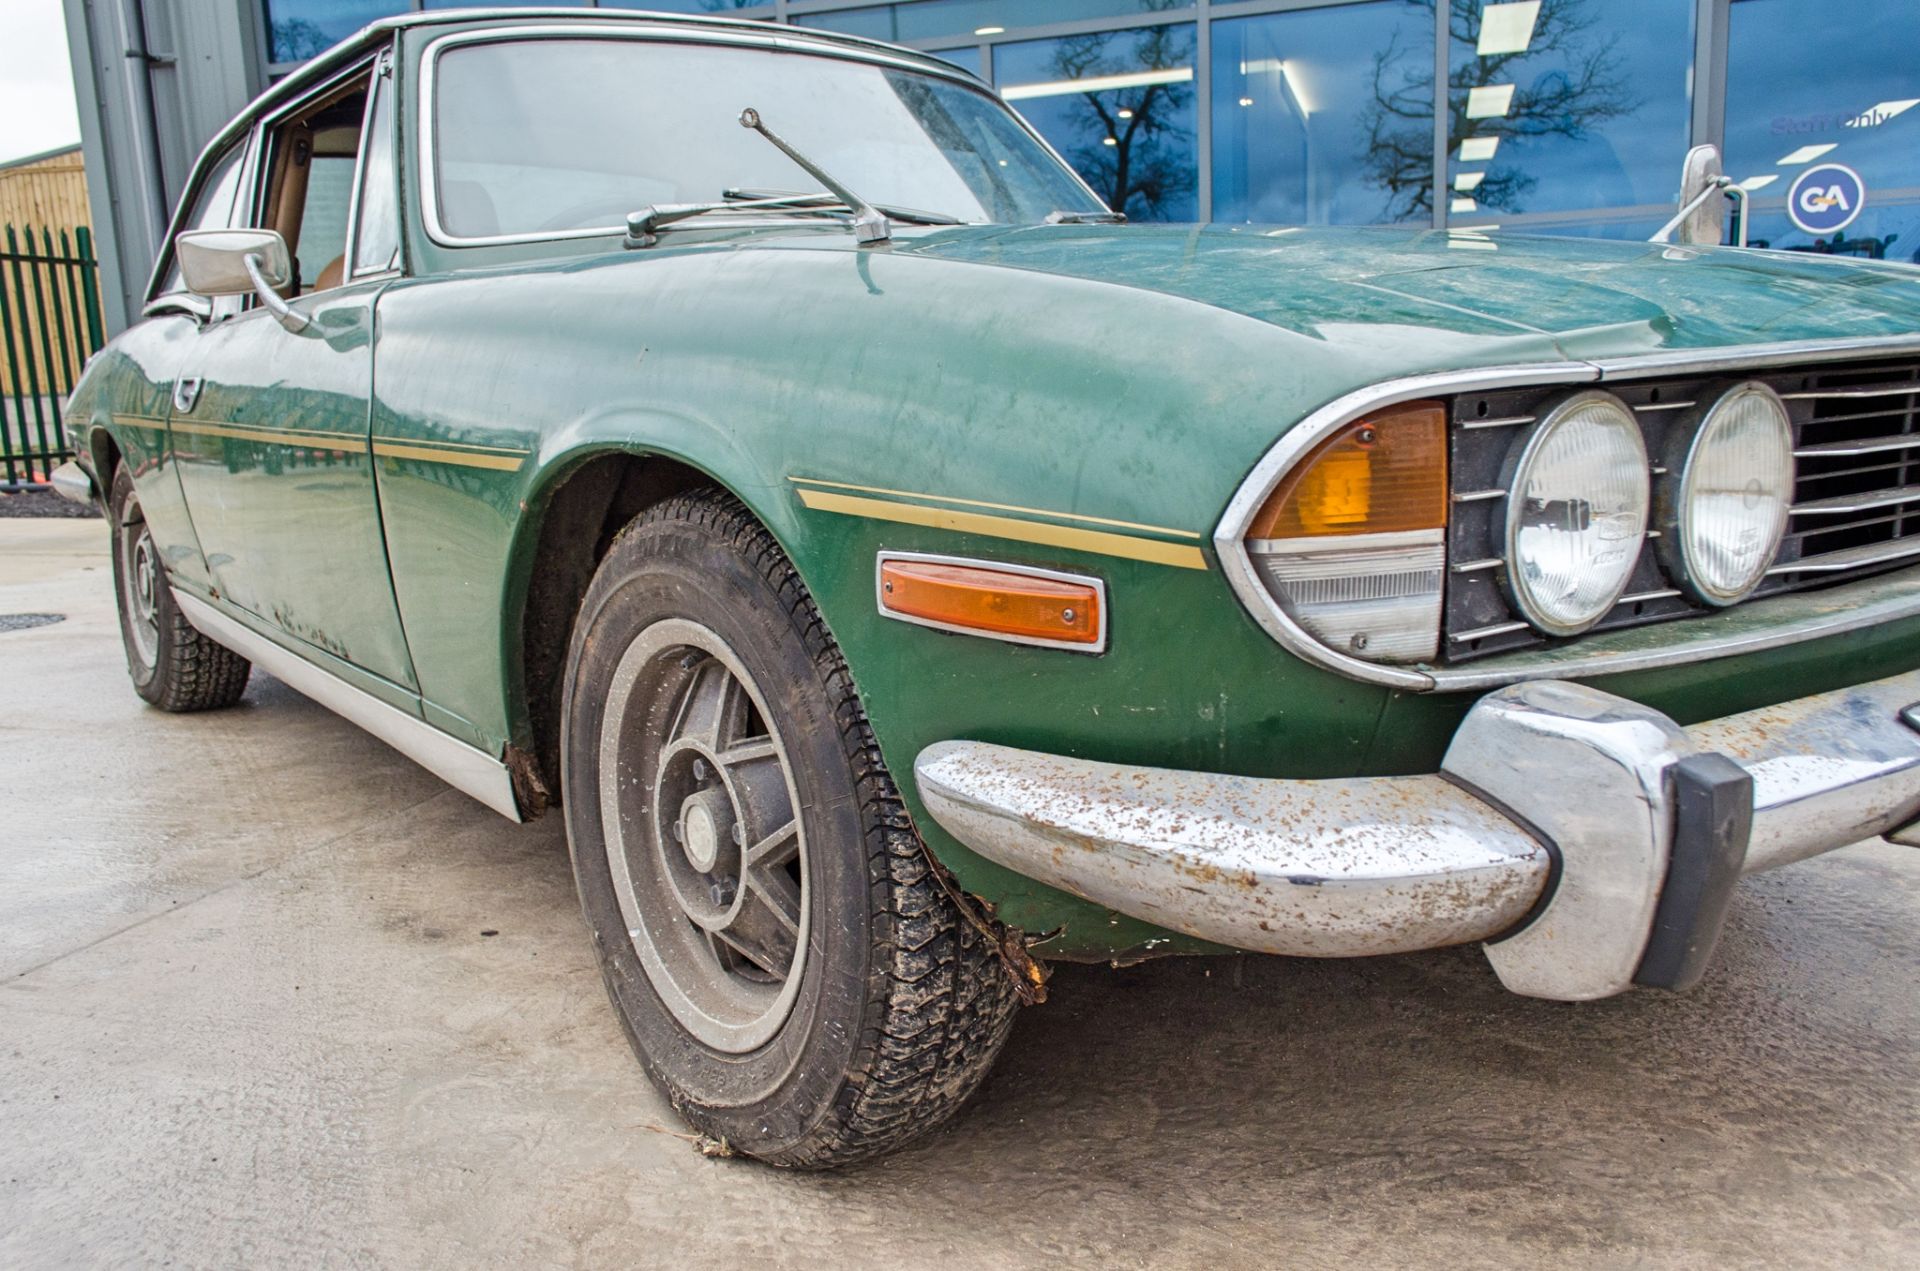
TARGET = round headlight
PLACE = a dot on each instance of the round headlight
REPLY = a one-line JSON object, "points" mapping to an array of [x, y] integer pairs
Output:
{"points": [[1577, 504], [1735, 486]]}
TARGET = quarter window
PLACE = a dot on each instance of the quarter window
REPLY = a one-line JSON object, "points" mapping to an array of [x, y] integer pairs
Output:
{"points": [[377, 240], [213, 207]]}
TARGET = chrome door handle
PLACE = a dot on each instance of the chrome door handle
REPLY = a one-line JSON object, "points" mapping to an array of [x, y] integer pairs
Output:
{"points": [[186, 391]]}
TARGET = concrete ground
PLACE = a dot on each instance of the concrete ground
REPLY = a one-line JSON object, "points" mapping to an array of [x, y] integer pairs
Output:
{"points": [[270, 995]]}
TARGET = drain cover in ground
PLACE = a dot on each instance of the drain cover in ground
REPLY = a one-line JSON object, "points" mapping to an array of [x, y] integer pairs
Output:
{"points": [[21, 621]]}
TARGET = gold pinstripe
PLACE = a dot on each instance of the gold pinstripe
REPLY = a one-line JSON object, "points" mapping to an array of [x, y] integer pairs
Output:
{"points": [[464, 459], [1101, 542], [273, 436], [458, 453], [998, 507]]}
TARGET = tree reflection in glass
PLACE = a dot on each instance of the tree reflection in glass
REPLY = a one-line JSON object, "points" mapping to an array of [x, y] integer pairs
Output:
{"points": [[1562, 78], [1130, 133]]}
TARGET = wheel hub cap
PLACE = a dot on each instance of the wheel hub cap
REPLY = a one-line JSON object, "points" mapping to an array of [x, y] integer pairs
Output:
{"points": [[706, 822], [140, 588], [703, 840]]}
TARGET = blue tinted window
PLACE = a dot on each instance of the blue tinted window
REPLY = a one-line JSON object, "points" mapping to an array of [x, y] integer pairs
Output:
{"points": [[300, 29], [1561, 105], [875, 24], [719, 8], [935, 19], [1324, 116], [503, 4], [967, 58], [1805, 89], [1119, 106]]}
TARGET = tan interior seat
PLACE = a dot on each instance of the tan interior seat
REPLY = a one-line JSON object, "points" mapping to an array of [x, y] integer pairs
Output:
{"points": [[332, 275]]}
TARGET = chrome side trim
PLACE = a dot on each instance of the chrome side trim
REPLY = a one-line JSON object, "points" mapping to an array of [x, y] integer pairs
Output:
{"points": [[1481, 633], [1099, 586], [1296, 442], [1751, 356], [1803, 616], [466, 769], [1893, 390], [1867, 554]]}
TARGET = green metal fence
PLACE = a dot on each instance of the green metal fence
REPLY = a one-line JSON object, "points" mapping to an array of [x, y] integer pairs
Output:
{"points": [[49, 327]]}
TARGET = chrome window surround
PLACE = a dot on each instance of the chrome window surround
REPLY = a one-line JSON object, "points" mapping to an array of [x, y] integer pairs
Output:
{"points": [[252, 131], [770, 39], [381, 83], [1099, 586], [1236, 563]]}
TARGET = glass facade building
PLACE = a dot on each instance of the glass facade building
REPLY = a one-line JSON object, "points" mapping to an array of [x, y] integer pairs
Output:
{"points": [[1554, 116]]}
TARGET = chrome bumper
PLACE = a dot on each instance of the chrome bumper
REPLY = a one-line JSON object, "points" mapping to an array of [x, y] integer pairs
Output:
{"points": [[1592, 842], [70, 481]]}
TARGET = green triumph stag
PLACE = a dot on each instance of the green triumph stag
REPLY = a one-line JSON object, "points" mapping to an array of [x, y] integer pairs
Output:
{"points": [[759, 445]]}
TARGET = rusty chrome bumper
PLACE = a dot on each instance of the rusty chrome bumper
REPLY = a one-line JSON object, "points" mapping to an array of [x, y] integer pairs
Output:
{"points": [[1591, 841]]}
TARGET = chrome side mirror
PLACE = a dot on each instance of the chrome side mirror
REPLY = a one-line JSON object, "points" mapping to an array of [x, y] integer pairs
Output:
{"points": [[238, 262], [1701, 221]]}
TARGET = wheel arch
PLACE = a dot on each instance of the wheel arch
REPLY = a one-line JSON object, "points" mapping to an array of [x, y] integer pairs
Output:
{"points": [[576, 507], [104, 452]]}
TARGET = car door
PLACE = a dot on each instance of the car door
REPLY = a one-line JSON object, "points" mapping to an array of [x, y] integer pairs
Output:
{"points": [[271, 425], [150, 354]]}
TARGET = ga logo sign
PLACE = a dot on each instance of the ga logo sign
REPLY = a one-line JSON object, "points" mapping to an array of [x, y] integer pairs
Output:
{"points": [[1826, 198]]}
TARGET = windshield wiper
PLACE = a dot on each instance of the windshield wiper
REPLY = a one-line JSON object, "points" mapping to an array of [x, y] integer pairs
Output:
{"points": [[643, 226], [740, 198], [869, 223], [1086, 218]]}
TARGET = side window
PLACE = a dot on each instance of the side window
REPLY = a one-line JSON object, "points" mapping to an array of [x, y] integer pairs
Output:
{"points": [[376, 243], [312, 154], [213, 207], [323, 223]]}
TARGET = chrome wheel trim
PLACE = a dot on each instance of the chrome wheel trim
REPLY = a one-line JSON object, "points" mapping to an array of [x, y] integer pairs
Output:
{"points": [[140, 583], [703, 836]]}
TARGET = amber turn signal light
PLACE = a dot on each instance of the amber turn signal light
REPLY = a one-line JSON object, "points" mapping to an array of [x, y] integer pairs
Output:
{"points": [[1381, 474], [1013, 605]]}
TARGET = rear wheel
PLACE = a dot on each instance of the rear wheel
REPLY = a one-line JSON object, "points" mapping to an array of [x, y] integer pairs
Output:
{"points": [[787, 964], [172, 665]]}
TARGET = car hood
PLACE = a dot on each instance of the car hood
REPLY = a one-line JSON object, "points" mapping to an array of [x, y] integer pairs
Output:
{"points": [[1499, 293]]}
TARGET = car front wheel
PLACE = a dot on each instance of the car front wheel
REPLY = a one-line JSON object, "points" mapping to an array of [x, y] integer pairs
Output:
{"points": [[788, 965], [171, 664]]}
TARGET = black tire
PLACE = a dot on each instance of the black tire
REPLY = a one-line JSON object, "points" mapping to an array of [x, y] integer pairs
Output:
{"points": [[900, 1004], [171, 664]]}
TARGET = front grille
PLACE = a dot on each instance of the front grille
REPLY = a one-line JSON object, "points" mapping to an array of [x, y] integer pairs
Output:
{"points": [[1856, 508]]}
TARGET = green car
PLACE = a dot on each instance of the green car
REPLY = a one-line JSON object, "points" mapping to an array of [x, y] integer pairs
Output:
{"points": [[758, 445]]}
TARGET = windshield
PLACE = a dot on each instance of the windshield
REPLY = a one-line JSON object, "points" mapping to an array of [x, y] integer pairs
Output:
{"points": [[549, 135]]}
